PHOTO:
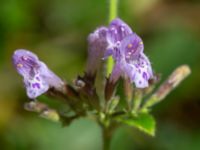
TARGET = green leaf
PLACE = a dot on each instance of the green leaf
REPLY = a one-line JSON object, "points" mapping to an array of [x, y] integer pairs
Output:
{"points": [[144, 122]]}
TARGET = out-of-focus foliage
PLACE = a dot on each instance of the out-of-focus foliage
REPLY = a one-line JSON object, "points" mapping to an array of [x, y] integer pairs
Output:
{"points": [[57, 31]]}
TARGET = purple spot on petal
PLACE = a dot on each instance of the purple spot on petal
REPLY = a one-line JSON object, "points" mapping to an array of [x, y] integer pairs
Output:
{"points": [[144, 75], [28, 84], [36, 85], [140, 82], [37, 78], [136, 65]]}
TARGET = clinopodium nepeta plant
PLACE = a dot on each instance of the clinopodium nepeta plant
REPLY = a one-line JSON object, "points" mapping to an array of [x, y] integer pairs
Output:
{"points": [[129, 78]]}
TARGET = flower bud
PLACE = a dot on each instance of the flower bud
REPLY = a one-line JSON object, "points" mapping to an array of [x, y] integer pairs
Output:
{"points": [[96, 49]]}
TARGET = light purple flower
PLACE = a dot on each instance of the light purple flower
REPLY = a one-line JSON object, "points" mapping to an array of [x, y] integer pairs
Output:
{"points": [[37, 76], [117, 31], [97, 44], [126, 48]]}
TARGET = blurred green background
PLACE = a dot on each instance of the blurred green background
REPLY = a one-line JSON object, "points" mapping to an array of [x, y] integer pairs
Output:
{"points": [[57, 31]]}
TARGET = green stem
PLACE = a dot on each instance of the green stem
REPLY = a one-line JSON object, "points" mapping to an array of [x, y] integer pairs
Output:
{"points": [[112, 15], [113, 9], [110, 63], [106, 131], [106, 138], [137, 100]]}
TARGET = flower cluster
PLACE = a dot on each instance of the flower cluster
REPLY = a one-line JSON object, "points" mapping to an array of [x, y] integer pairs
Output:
{"points": [[84, 97], [116, 40], [126, 48]]}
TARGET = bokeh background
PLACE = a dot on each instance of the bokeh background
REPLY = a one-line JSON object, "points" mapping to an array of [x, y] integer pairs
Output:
{"points": [[57, 31]]}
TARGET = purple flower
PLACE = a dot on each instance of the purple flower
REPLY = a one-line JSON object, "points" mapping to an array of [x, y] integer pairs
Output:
{"points": [[126, 47], [37, 76], [97, 44], [117, 31]]}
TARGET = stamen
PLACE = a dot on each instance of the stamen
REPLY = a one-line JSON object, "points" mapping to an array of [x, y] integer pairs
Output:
{"points": [[130, 45], [19, 65]]}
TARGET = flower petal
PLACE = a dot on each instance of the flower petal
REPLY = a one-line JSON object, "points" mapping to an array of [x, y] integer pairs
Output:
{"points": [[118, 30], [35, 87], [38, 78], [131, 47], [143, 72], [25, 62]]}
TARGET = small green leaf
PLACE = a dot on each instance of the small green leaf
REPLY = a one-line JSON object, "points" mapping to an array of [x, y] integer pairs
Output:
{"points": [[144, 122]]}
